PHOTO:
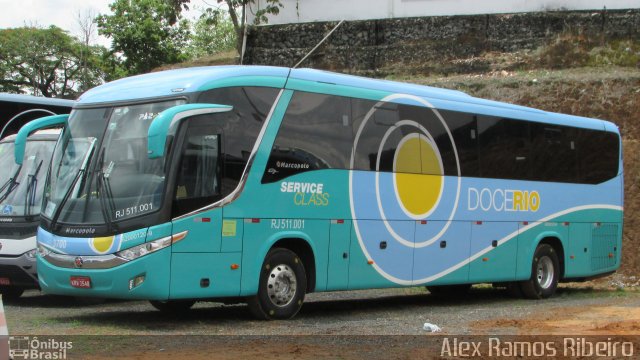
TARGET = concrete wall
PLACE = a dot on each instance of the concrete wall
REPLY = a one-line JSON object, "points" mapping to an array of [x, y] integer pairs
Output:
{"points": [[299, 11], [444, 44]]}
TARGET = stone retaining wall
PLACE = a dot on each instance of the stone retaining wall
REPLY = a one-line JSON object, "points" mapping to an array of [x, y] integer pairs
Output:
{"points": [[429, 44]]}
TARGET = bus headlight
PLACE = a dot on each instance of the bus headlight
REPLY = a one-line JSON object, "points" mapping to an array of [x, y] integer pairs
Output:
{"points": [[31, 254], [43, 251], [144, 249]]}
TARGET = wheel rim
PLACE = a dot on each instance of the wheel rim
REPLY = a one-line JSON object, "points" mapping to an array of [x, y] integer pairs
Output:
{"points": [[545, 272], [281, 285]]}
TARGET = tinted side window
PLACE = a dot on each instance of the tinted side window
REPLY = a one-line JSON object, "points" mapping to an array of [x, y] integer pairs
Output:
{"points": [[599, 156], [504, 148], [316, 133], [401, 138], [554, 153], [463, 127], [240, 126], [379, 137], [198, 177]]}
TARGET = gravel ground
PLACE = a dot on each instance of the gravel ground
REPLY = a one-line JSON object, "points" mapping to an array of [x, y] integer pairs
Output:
{"points": [[349, 325], [370, 312]]}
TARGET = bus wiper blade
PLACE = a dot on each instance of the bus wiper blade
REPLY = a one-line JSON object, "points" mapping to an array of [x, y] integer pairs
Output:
{"points": [[54, 218], [10, 185], [30, 196], [106, 196], [81, 172], [106, 202]]}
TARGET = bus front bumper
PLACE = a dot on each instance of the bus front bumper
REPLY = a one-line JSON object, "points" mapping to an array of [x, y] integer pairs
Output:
{"points": [[144, 278], [18, 271]]}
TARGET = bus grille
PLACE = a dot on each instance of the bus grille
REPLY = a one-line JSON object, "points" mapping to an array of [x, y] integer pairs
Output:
{"points": [[17, 231], [604, 239]]}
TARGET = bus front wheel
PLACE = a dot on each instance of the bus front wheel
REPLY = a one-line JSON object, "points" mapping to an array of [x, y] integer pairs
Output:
{"points": [[281, 288], [545, 273]]}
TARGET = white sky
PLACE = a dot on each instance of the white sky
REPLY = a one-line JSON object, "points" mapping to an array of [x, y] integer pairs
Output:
{"points": [[62, 13]]}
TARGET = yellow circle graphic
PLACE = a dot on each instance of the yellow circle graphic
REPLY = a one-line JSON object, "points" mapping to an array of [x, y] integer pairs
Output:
{"points": [[102, 244], [418, 178]]}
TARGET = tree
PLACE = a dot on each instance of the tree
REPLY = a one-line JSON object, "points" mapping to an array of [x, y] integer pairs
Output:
{"points": [[212, 33], [85, 20], [237, 11], [47, 62], [148, 33]]}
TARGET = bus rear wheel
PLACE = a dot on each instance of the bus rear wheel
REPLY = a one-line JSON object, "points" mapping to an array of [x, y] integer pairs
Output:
{"points": [[281, 288], [545, 273], [173, 306]]}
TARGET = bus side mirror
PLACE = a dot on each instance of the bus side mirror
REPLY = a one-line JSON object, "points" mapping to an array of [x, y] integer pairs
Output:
{"points": [[166, 120], [31, 126]]}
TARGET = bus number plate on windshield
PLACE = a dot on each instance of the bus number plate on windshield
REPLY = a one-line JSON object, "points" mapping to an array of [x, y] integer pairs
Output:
{"points": [[83, 282]]}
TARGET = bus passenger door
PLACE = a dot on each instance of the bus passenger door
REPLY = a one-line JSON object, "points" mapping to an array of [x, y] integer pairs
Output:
{"points": [[198, 184], [339, 240], [198, 268]]}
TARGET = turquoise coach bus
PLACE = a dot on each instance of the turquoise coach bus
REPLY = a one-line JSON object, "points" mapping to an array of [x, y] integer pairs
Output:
{"points": [[262, 184]]}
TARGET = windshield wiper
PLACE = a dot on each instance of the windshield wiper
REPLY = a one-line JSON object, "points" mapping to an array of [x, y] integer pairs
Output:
{"points": [[10, 185], [30, 196], [107, 206], [79, 174], [56, 214]]}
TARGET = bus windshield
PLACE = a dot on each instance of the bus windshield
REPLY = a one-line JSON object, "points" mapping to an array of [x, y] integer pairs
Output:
{"points": [[22, 186], [101, 173]]}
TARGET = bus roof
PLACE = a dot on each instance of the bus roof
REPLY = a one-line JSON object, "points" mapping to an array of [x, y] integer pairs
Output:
{"points": [[39, 100], [188, 80]]}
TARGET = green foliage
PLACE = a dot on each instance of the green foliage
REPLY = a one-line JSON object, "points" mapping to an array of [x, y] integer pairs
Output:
{"points": [[148, 33], [236, 10], [272, 7], [616, 52], [48, 62], [576, 50], [212, 33]]}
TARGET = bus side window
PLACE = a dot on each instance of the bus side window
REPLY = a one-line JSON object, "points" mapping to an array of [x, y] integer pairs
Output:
{"points": [[315, 134], [198, 178]]}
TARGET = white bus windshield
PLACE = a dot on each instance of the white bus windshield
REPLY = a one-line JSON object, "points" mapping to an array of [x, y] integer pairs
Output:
{"points": [[22, 187]]}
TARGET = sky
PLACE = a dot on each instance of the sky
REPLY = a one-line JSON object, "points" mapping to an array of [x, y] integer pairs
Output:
{"points": [[62, 13]]}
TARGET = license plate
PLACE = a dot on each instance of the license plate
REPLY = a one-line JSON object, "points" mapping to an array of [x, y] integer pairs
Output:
{"points": [[83, 282], [5, 281]]}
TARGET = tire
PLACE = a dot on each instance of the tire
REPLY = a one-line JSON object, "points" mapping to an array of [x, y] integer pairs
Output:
{"points": [[11, 292], [173, 306], [281, 288], [449, 291], [545, 273]]}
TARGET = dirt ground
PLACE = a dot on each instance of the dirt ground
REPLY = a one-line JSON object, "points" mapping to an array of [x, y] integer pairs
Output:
{"points": [[371, 324], [619, 317]]}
